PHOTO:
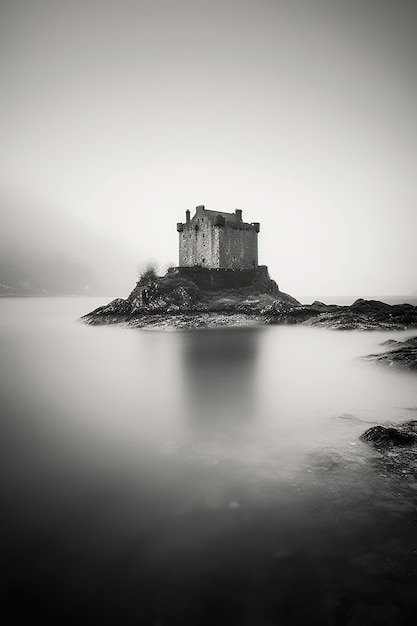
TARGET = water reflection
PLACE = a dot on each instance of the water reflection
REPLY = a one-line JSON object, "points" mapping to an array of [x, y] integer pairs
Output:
{"points": [[279, 515], [219, 377]]}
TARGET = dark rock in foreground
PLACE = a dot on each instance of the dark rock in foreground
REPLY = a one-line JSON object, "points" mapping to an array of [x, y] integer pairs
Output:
{"points": [[387, 436], [397, 447], [402, 354]]}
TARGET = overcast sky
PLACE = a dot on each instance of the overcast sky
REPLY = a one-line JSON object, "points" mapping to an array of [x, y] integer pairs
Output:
{"points": [[125, 113]]}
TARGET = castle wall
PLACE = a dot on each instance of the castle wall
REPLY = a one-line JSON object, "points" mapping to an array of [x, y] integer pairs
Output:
{"points": [[218, 279], [238, 247], [199, 243], [214, 242]]}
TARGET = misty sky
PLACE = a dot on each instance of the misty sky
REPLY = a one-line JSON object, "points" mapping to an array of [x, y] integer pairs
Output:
{"points": [[125, 113]]}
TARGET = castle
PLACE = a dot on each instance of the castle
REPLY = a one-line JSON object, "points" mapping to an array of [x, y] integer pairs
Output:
{"points": [[219, 250], [218, 240]]}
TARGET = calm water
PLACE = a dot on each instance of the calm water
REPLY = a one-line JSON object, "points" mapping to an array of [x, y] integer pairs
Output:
{"points": [[202, 477]]}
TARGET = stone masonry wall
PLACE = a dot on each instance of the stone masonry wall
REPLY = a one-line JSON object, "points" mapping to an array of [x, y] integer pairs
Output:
{"points": [[231, 245], [199, 244], [238, 247], [218, 279]]}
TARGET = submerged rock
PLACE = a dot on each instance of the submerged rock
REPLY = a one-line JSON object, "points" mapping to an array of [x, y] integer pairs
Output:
{"points": [[402, 354], [397, 447]]}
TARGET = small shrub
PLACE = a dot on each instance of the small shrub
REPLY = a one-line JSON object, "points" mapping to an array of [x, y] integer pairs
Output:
{"points": [[148, 273]]}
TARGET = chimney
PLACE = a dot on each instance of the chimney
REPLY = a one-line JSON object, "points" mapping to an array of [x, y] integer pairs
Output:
{"points": [[187, 216], [238, 213]]}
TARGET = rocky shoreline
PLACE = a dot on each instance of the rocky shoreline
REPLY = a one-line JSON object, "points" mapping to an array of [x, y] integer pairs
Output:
{"points": [[192, 320], [261, 308], [402, 354], [174, 303], [361, 315]]}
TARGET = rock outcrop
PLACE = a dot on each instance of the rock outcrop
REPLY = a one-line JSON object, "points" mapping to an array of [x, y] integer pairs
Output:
{"points": [[174, 301], [396, 446], [389, 436], [402, 354], [175, 295], [361, 315]]}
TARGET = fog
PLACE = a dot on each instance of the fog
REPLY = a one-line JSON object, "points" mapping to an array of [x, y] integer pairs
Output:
{"points": [[124, 114], [47, 252]]}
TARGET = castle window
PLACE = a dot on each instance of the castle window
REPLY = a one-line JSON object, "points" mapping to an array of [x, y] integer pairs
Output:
{"points": [[185, 258], [204, 260]]}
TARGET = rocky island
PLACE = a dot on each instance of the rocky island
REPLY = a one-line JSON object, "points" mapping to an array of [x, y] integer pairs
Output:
{"points": [[176, 301], [219, 282]]}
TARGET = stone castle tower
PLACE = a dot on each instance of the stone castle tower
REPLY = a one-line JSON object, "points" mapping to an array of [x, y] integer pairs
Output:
{"points": [[217, 240]]}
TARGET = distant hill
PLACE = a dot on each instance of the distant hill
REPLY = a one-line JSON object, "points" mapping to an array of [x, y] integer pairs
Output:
{"points": [[46, 252], [32, 272]]}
